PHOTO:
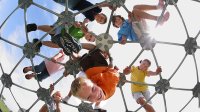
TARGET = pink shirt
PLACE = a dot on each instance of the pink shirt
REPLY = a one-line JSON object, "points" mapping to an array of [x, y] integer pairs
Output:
{"points": [[54, 67]]}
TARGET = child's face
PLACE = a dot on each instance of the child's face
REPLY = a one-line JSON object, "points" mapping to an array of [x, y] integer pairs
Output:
{"points": [[90, 92], [89, 37], [144, 65], [100, 18], [118, 22]]}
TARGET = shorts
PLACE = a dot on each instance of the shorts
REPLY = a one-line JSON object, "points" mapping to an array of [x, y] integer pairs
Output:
{"points": [[67, 43], [41, 71], [143, 94], [93, 59]]}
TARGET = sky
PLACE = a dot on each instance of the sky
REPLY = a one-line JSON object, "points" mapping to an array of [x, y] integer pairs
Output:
{"points": [[168, 56]]}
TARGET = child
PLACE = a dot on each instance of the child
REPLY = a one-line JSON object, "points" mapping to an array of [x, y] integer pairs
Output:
{"points": [[78, 30], [101, 79], [127, 30], [46, 68], [92, 14], [140, 92], [56, 101]]}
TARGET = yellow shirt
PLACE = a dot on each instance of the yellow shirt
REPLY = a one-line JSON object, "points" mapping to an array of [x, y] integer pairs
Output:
{"points": [[138, 76]]}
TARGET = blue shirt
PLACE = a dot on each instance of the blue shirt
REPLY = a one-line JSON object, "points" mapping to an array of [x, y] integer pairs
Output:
{"points": [[127, 30]]}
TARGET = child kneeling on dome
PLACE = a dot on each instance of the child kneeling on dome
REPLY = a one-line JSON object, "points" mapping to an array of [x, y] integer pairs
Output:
{"points": [[140, 92]]}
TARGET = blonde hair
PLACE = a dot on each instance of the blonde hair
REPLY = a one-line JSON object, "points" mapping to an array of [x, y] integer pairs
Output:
{"points": [[76, 85]]}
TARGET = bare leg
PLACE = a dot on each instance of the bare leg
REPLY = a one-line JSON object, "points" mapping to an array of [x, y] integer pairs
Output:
{"points": [[45, 28], [138, 14], [50, 44], [150, 7], [147, 106]]}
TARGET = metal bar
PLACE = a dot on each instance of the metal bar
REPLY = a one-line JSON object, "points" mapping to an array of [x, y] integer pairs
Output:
{"points": [[140, 83], [165, 102], [2, 68], [27, 39], [120, 87], [17, 64], [187, 104], [195, 63], [15, 100], [2, 90], [126, 41], [136, 57], [33, 105], [58, 80], [178, 67], [170, 43], [196, 1], [24, 88], [48, 10], [183, 89], [49, 59], [12, 43], [182, 20], [154, 56], [197, 35], [109, 23], [69, 104], [66, 6], [11, 14]]}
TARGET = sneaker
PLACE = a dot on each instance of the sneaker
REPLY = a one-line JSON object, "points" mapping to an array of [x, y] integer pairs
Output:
{"points": [[27, 69], [38, 46], [71, 42], [31, 27], [164, 18], [160, 4]]}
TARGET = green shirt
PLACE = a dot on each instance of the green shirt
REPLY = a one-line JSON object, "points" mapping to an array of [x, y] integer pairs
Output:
{"points": [[76, 32]]}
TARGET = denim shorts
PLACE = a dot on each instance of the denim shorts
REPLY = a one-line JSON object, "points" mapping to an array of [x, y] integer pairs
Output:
{"points": [[41, 71]]}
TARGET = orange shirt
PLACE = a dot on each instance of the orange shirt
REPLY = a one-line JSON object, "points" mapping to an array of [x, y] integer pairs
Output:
{"points": [[106, 78]]}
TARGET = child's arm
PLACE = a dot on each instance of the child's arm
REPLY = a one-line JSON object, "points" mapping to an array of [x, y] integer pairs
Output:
{"points": [[88, 46], [127, 70], [123, 40], [151, 73], [58, 55], [105, 4]]}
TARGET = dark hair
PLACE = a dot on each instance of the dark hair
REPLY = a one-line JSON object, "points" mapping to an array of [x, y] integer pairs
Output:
{"points": [[148, 61], [114, 19], [105, 20]]}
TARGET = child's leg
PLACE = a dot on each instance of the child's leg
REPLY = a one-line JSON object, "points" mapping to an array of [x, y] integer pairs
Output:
{"points": [[50, 44], [46, 28], [138, 14], [150, 7], [147, 106], [138, 96]]}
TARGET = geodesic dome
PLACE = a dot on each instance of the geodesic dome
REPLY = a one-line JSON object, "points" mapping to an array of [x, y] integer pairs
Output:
{"points": [[162, 86]]}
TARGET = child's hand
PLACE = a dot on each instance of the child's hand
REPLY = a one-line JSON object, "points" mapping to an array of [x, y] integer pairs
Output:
{"points": [[127, 70], [123, 41], [65, 73], [158, 70], [53, 60], [57, 97]]}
